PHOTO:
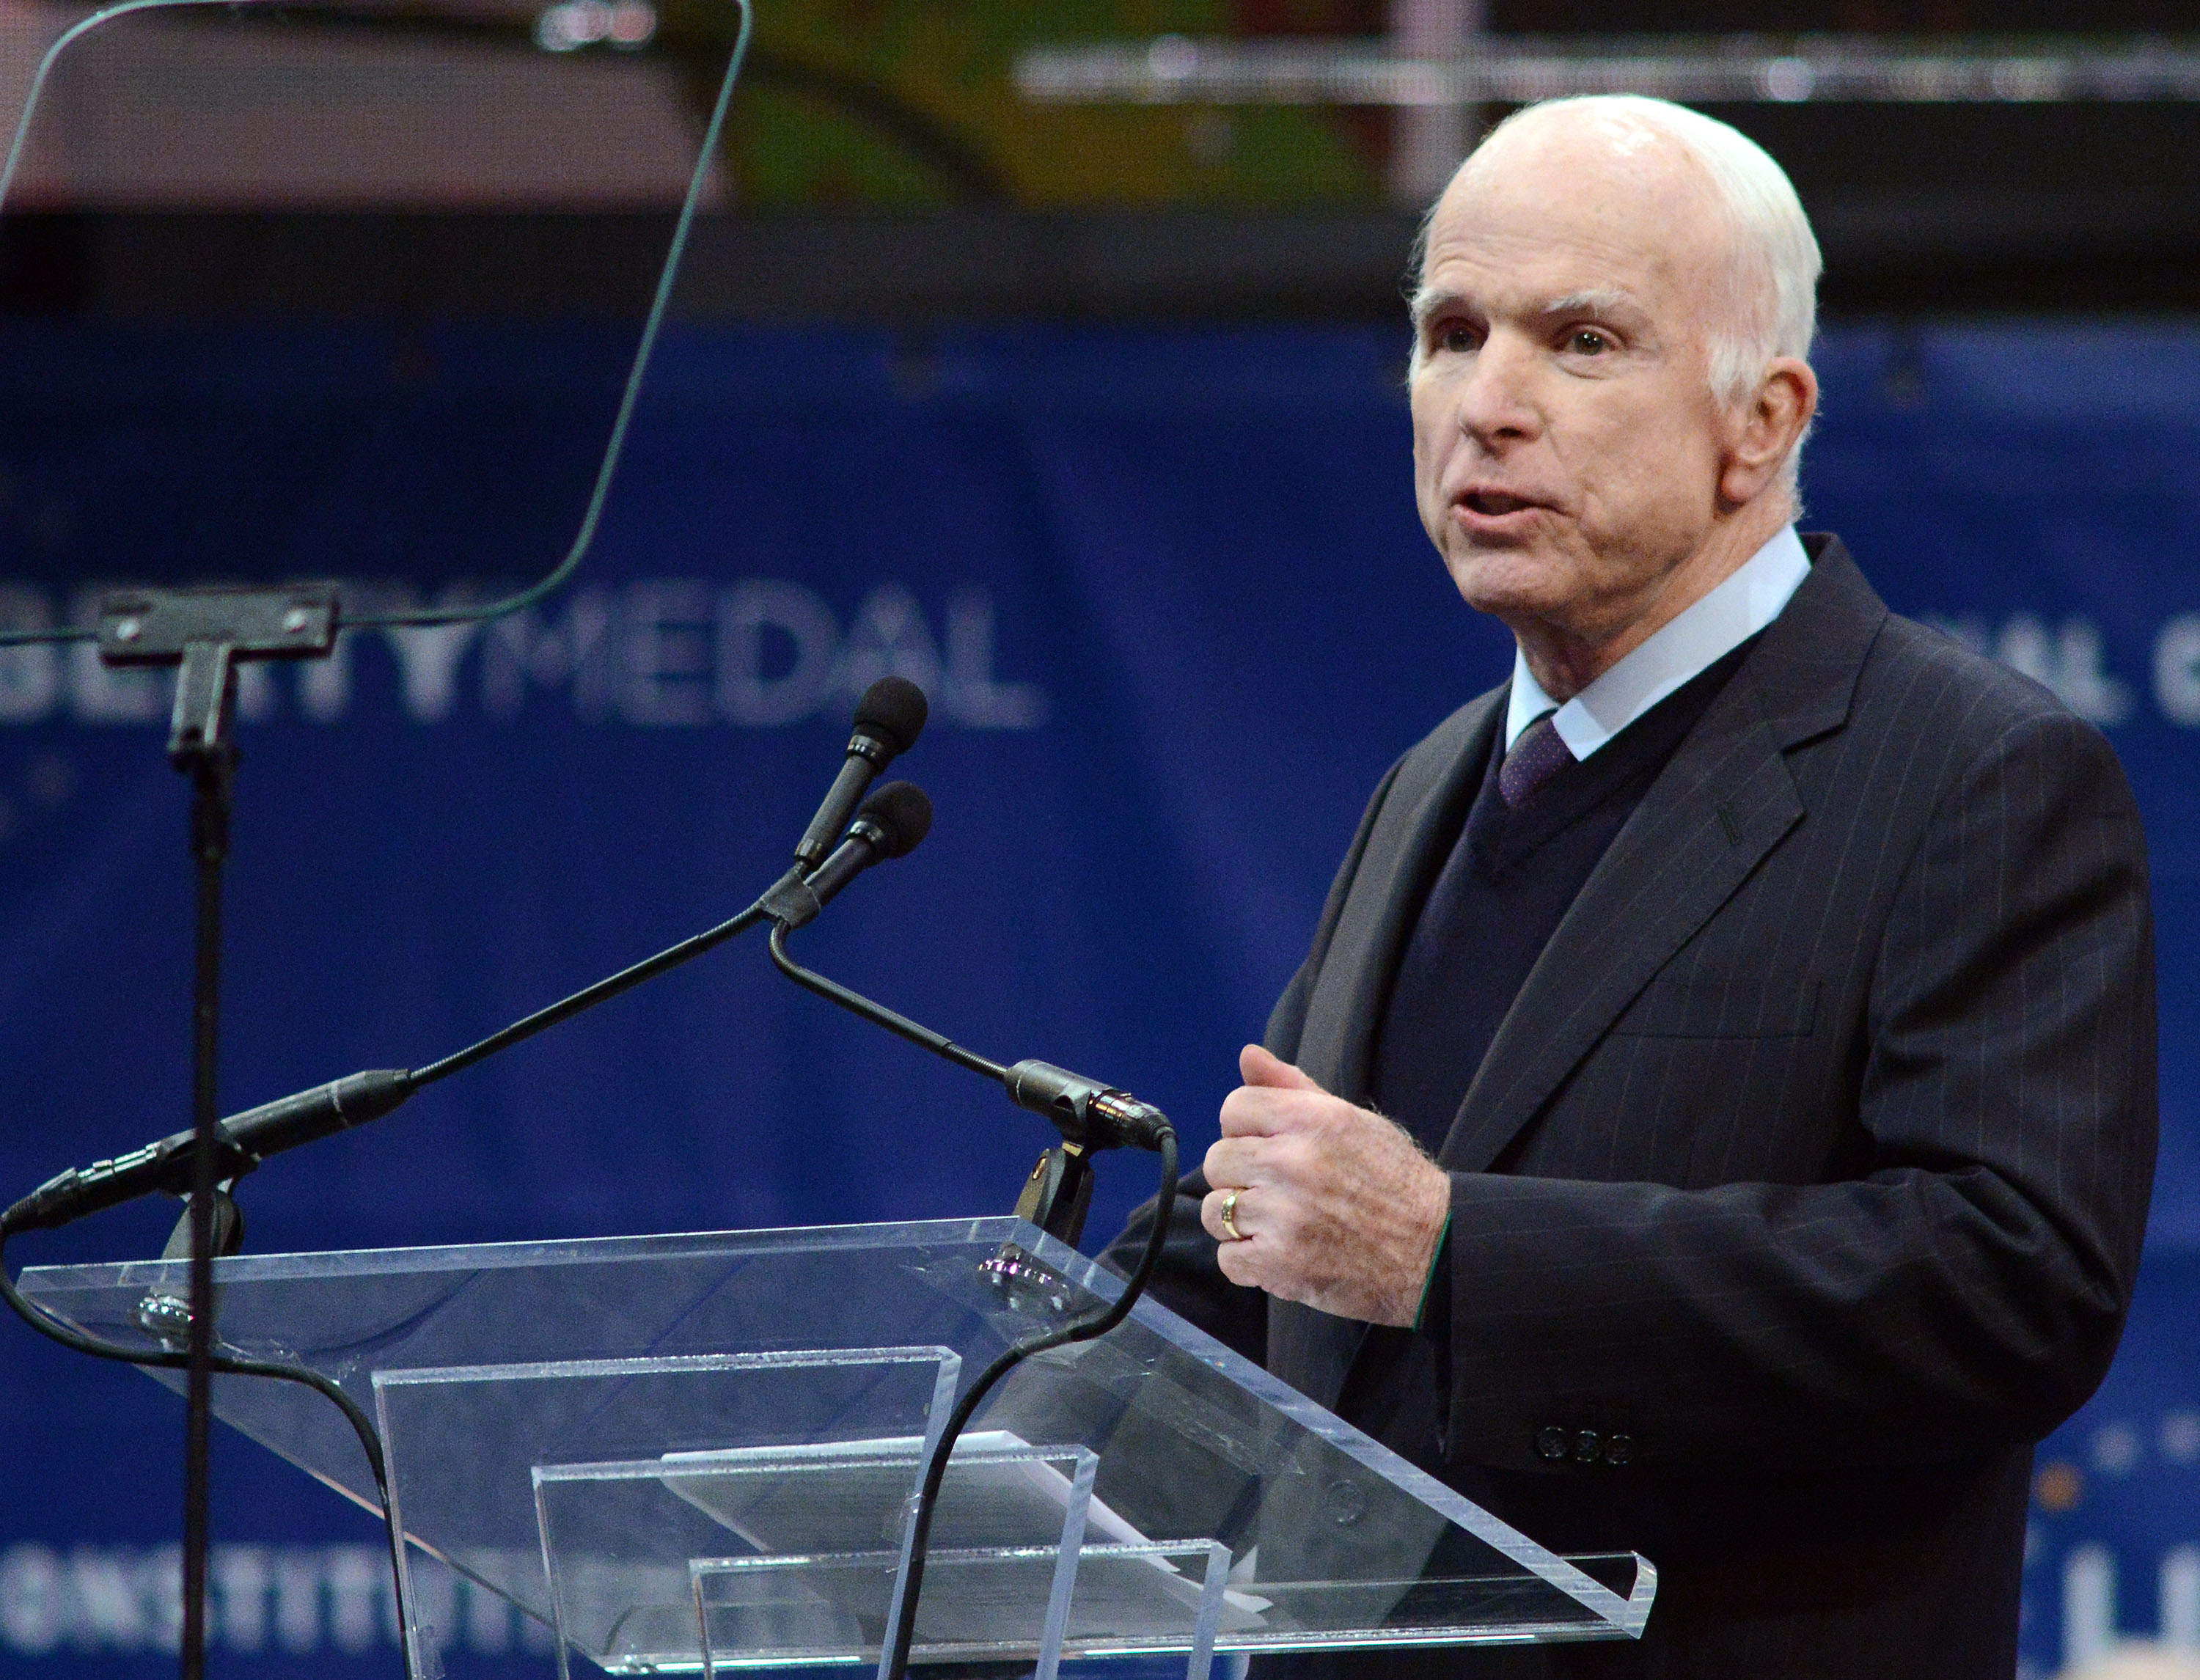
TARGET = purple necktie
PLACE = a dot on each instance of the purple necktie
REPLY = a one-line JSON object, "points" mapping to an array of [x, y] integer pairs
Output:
{"points": [[1538, 755]]}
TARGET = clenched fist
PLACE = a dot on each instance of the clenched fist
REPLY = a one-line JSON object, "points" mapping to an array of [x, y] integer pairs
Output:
{"points": [[1337, 1207]]}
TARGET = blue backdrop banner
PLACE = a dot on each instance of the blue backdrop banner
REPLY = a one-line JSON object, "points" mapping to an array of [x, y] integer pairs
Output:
{"points": [[1170, 597]]}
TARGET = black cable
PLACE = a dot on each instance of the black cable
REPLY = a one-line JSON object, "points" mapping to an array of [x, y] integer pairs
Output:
{"points": [[1077, 1329], [50, 1324]]}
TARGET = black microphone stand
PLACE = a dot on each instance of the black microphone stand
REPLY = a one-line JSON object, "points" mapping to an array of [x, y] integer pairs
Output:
{"points": [[204, 633]]}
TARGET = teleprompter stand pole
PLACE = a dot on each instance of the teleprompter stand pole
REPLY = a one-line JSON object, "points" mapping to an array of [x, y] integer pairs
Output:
{"points": [[202, 750], [204, 633]]}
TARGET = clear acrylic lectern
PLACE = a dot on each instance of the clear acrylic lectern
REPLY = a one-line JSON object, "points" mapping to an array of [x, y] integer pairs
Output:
{"points": [[697, 1454]]}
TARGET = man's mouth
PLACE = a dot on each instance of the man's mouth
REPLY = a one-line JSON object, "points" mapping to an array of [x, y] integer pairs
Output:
{"points": [[1495, 504]]}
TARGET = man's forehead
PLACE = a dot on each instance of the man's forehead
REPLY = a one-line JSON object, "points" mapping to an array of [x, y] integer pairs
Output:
{"points": [[1545, 223], [1521, 273]]}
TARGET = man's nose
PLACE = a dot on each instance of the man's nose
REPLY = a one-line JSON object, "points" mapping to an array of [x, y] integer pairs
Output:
{"points": [[1496, 402]]}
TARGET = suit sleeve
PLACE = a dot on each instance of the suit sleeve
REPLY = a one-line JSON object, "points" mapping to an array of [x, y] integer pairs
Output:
{"points": [[1967, 1289], [1188, 1280]]}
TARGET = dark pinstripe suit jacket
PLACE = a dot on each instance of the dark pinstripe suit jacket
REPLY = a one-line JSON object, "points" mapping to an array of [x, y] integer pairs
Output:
{"points": [[1813, 1158]]}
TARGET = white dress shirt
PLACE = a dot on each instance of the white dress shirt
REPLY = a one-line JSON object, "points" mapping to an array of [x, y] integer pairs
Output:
{"points": [[1701, 635]]}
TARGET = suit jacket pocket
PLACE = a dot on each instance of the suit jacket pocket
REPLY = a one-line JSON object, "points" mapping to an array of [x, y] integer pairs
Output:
{"points": [[1722, 1006]]}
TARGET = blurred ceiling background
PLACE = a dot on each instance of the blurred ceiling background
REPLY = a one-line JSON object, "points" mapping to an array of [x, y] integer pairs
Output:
{"points": [[921, 161]]}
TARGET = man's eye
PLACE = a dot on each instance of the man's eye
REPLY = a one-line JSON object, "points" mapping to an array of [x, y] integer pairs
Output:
{"points": [[1587, 342], [1458, 340]]}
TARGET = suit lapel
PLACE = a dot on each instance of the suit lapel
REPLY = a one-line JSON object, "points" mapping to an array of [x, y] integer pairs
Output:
{"points": [[1404, 853], [1725, 801]]}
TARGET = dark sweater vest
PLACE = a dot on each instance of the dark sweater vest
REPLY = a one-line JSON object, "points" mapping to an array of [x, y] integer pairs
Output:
{"points": [[1510, 878]]}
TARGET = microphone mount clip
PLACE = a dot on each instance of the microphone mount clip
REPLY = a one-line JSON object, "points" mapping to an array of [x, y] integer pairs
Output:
{"points": [[206, 633], [1090, 1116], [790, 901]]}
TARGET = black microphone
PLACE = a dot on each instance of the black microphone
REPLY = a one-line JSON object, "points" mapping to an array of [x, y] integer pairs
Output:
{"points": [[893, 823], [244, 1141], [888, 720]]}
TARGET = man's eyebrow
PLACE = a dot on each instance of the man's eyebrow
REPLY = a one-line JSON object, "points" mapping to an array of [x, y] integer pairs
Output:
{"points": [[1427, 300], [1430, 301], [1594, 300]]}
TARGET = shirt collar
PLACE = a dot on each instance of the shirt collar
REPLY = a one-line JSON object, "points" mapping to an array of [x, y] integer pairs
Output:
{"points": [[1703, 634]]}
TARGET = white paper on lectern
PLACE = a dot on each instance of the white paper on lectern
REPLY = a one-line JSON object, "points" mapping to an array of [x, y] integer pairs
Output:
{"points": [[998, 1501]]}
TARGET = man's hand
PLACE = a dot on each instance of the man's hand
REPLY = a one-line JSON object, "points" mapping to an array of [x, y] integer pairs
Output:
{"points": [[1337, 1207]]}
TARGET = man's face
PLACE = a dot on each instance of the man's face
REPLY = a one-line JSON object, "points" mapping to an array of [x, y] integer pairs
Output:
{"points": [[1567, 447]]}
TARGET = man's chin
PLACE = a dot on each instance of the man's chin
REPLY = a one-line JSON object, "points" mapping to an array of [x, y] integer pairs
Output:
{"points": [[1511, 582]]}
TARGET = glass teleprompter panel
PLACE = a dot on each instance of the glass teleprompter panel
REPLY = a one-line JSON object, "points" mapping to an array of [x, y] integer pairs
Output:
{"points": [[304, 114]]}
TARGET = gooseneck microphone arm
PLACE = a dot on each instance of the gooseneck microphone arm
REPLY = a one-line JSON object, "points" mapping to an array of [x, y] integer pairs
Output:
{"points": [[244, 1140], [1090, 1116], [589, 996], [893, 821], [202, 1164], [879, 1015]]}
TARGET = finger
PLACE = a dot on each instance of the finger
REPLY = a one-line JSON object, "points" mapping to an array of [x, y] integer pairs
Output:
{"points": [[1265, 1111], [1210, 1216], [1257, 1067], [1240, 1263], [1239, 1162], [1215, 1205], [1248, 1112]]}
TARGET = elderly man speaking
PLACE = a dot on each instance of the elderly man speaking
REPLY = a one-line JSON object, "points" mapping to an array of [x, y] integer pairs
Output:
{"points": [[1717, 1113]]}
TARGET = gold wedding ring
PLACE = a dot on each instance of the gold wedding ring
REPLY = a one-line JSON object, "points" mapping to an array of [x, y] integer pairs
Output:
{"points": [[1230, 1215]]}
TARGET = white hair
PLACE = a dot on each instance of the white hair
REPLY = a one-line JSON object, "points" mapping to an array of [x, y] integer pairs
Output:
{"points": [[1773, 261]]}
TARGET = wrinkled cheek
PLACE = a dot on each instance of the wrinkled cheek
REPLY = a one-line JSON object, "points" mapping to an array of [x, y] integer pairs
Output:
{"points": [[1432, 436], [1427, 500]]}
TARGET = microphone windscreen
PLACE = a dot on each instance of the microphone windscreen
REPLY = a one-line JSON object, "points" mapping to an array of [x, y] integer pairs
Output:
{"points": [[903, 815], [894, 709]]}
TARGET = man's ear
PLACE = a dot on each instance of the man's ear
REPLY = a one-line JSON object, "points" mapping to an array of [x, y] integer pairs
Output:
{"points": [[1767, 427]]}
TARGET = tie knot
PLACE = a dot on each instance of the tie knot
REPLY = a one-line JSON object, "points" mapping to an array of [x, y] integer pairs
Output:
{"points": [[1538, 755]]}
